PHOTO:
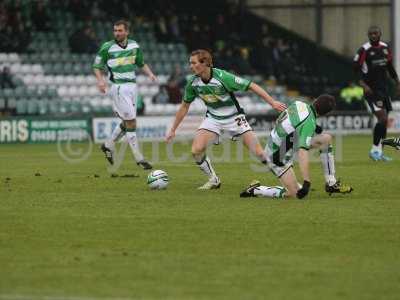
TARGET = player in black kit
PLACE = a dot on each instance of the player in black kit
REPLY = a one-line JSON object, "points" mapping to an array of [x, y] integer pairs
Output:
{"points": [[373, 62]]}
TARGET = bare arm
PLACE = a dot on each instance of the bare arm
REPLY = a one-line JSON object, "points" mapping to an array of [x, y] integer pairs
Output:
{"points": [[101, 83], [180, 115], [254, 87], [146, 69], [304, 164]]}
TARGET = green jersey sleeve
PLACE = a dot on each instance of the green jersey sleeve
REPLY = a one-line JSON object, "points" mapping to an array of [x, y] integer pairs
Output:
{"points": [[306, 132], [101, 57], [139, 58], [234, 83], [190, 92]]}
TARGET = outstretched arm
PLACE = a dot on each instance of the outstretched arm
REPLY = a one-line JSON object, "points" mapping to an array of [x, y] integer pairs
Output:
{"points": [[254, 87], [180, 115]]}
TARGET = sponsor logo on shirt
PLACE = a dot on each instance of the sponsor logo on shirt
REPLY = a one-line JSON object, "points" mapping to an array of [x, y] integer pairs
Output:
{"points": [[127, 60], [239, 80], [97, 60]]}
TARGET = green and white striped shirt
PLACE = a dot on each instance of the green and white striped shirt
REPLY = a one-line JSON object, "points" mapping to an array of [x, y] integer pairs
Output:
{"points": [[216, 93], [299, 118], [121, 62]]}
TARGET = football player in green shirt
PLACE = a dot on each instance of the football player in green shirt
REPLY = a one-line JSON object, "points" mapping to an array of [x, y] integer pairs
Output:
{"points": [[216, 87], [122, 57], [294, 131]]}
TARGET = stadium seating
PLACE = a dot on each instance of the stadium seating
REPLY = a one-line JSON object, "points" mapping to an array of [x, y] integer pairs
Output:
{"points": [[54, 80]]}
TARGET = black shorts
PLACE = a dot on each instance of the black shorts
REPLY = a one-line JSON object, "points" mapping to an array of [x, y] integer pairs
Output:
{"points": [[379, 100]]}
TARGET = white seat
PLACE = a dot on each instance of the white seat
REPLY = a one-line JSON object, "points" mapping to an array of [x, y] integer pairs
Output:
{"points": [[26, 69], [140, 79], [69, 80], [80, 80], [73, 91], [91, 80], [37, 69], [93, 90], [3, 57], [15, 68], [155, 109], [27, 79], [49, 80], [143, 90], [82, 91], [162, 78], [63, 91], [39, 79], [59, 80], [13, 58], [153, 90], [108, 101]]}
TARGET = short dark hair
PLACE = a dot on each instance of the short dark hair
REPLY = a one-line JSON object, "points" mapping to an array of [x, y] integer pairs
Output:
{"points": [[122, 22], [374, 28], [324, 104], [204, 56]]}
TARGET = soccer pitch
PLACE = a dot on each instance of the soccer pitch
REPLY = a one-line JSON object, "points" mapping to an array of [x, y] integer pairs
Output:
{"points": [[71, 231]]}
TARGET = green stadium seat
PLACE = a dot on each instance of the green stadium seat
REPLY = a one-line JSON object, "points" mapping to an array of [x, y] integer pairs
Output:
{"points": [[43, 106], [33, 107], [75, 107], [12, 103], [2, 103], [19, 92], [64, 57], [66, 69], [54, 106], [8, 93], [77, 68], [22, 107]]}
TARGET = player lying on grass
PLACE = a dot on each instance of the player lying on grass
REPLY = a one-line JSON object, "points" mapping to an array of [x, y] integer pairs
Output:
{"points": [[215, 87], [393, 142], [295, 132]]}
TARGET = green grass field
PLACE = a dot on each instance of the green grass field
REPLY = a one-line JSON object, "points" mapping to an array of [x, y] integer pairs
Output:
{"points": [[76, 233]]}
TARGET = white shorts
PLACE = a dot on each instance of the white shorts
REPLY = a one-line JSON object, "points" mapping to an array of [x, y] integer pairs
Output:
{"points": [[124, 100], [234, 126]]}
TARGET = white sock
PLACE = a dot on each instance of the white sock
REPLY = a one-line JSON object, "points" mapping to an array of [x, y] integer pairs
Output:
{"points": [[378, 148], [133, 143], [206, 167], [328, 165], [270, 191], [117, 133]]}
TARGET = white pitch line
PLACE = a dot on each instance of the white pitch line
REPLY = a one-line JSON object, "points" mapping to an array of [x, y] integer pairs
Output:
{"points": [[27, 297]]}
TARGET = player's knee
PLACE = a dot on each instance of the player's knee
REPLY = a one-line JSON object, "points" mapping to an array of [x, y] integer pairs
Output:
{"points": [[130, 124], [326, 139], [196, 151]]}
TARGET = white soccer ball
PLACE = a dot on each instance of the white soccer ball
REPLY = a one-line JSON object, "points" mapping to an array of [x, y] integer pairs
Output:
{"points": [[157, 180]]}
